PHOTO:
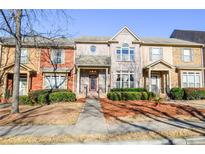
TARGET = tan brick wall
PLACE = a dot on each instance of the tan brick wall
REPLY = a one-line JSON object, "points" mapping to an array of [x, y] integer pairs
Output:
{"points": [[197, 58]]}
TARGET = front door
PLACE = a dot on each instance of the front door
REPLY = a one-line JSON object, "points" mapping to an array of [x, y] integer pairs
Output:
{"points": [[155, 85], [93, 83], [22, 86]]}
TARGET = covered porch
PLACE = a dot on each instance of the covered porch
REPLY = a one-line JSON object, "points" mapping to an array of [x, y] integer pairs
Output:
{"points": [[24, 81], [92, 75], [158, 77]]}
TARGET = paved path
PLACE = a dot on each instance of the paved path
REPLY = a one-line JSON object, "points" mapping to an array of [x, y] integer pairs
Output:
{"points": [[91, 121]]}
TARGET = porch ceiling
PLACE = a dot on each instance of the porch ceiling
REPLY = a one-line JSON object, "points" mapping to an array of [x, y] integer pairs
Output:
{"points": [[91, 60]]}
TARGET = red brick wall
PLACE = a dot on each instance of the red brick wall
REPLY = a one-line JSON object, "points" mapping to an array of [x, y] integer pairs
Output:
{"points": [[36, 82]]}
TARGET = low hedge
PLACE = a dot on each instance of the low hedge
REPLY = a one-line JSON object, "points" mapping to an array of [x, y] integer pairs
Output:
{"points": [[118, 96], [194, 93], [62, 97], [25, 100], [187, 93], [128, 90]]}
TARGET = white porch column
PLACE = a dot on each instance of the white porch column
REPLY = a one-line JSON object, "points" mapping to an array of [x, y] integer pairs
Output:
{"points": [[28, 75], [106, 80], [170, 86], [78, 81], [4, 86], [149, 79]]}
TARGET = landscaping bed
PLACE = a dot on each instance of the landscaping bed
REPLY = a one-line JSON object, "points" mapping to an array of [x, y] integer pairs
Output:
{"points": [[114, 110], [54, 114]]}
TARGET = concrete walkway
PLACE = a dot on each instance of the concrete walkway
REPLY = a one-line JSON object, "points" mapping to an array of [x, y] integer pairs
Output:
{"points": [[91, 120]]}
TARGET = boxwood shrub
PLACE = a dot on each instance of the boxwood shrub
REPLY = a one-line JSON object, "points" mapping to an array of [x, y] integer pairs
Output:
{"points": [[128, 90], [62, 97], [177, 93], [118, 96], [194, 93], [25, 100]]}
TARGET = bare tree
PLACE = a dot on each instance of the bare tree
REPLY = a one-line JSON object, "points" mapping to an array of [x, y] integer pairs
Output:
{"points": [[19, 24]]}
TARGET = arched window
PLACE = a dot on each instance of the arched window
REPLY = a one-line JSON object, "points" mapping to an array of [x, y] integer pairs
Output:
{"points": [[125, 45]]}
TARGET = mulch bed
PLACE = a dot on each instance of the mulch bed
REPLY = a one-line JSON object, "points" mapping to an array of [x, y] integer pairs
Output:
{"points": [[115, 109]]}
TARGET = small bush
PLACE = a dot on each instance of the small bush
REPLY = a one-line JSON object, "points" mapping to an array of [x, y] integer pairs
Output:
{"points": [[151, 95], [128, 90], [145, 96], [194, 93], [62, 97], [24, 100], [177, 93]]}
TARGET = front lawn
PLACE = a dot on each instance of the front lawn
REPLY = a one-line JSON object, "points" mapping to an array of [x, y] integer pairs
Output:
{"points": [[141, 110], [54, 114]]}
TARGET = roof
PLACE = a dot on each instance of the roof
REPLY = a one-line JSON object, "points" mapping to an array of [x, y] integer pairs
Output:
{"points": [[190, 35], [91, 60], [157, 62], [39, 41], [168, 41], [57, 70], [21, 65], [149, 40]]}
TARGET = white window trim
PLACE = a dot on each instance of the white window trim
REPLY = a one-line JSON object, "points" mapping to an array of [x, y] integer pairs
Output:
{"points": [[62, 55], [191, 55], [25, 49], [120, 73], [57, 75], [200, 74], [161, 54], [129, 59]]}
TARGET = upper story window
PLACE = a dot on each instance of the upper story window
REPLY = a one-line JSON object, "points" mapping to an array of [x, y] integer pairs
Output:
{"points": [[24, 56], [125, 53], [93, 49], [57, 56], [156, 54], [187, 55]]}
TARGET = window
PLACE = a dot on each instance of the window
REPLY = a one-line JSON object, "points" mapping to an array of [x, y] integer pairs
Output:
{"points": [[191, 79], [156, 54], [55, 82], [187, 55], [93, 48], [57, 56], [125, 53], [125, 79], [24, 56]]}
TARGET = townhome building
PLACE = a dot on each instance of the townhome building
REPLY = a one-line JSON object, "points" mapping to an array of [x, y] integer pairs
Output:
{"points": [[45, 64], [93, 64]]}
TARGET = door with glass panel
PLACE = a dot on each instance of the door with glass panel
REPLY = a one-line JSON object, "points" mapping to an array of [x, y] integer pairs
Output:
{"points": [[22, 86], [155, 85]]}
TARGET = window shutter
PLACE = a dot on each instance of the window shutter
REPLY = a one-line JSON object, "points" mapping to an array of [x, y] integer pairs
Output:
{"points": [[182, 54], [161, 53], [150, 53], [192, 54], [62, 56]]}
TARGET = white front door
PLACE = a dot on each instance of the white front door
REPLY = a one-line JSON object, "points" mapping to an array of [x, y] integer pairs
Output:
{"points": [[155, 84], [22, 86]]}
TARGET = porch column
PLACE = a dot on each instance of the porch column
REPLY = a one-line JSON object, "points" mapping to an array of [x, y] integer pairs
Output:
{"points": [[78, 81], [28, 75], [170, 86], [106, 80], [5, 82], [149, 79]]}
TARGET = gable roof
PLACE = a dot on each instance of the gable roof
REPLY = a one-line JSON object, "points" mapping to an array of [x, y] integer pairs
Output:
{"points": [[157, 62], [21, 65], [125, 28], [190, 35]]}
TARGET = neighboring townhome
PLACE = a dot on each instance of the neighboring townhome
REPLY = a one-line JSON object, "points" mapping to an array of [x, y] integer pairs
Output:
{"points": [[128, 61], [45, 64]]}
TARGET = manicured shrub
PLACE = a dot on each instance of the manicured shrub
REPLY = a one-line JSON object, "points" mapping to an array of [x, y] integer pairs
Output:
{"points": [[128, 90], [62, 97], [117, 96], [194, 93], [145, 96], [25, 100], [151, 95], [177, 93]]}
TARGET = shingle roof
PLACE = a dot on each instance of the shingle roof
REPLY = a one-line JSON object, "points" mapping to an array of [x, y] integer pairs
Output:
{"points": [[91, 60], [93, 38], [40, 41], [190, 35], [171, 41]]}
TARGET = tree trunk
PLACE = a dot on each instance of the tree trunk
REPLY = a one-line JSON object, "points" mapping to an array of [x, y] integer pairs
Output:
{"points": [[15, 99]]}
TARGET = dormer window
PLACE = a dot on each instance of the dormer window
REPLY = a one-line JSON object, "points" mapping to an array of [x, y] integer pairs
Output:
{"points": [[93, 49]]}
